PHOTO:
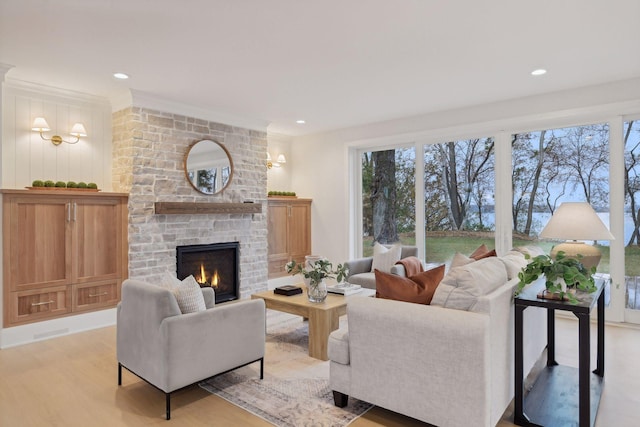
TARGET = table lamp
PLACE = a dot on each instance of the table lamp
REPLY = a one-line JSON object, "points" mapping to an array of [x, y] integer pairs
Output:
{"points": [[575, 221]]}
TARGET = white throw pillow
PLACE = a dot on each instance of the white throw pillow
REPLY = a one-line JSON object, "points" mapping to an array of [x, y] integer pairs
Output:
{"points": [[189, 296], [384, 258], [514, 261], [462, 286]]}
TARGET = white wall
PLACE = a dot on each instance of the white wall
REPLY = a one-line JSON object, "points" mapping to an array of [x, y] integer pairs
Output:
{"points": [[320, 163], [279, 179], [26, 157]]}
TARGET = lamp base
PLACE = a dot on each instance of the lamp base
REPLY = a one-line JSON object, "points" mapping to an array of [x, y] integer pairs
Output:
{"points": [[590, 254]]}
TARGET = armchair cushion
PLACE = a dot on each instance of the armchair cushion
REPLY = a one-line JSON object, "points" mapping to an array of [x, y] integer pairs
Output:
{"points": [[384, 258], [418, 289]]}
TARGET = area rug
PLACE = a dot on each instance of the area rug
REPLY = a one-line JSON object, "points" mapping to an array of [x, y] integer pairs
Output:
{"points": [[295, 391]]}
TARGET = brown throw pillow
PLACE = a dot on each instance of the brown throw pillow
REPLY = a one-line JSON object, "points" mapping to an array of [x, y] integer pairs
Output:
{"points": [[482, 252], [418, 289]]}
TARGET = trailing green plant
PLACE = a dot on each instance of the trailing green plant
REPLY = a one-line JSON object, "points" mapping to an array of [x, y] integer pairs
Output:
{"points": [[321, 269], [574, 273]]}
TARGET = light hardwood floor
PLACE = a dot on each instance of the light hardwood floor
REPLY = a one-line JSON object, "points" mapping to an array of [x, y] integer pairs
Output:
{"points": [[72, 381]]}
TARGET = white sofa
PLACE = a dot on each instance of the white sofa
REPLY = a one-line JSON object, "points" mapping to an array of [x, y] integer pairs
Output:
{"points": [[444, 366]]}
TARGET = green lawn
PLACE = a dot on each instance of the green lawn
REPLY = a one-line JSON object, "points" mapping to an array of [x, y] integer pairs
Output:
{"points": [[441, 249]]}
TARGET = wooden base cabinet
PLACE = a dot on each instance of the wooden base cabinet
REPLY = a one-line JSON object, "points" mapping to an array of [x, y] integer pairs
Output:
{"points": [[64, 252], [289, 232]]}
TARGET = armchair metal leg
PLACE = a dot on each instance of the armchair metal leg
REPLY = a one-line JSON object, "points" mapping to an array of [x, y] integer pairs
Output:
{"points": [[168, 400], [262, 368], [119, 373]]}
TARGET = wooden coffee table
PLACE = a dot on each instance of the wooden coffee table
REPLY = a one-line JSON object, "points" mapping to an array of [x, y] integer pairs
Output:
{"points": [[323, 317]]}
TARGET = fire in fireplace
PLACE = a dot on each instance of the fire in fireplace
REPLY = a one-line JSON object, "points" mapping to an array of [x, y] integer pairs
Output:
{"points": [[214, 265]]}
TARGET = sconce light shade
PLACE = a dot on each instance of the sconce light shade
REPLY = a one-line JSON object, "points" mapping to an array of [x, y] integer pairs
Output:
{"points": [[280, 160], [78, 130], [575, 221], [40, 125]]}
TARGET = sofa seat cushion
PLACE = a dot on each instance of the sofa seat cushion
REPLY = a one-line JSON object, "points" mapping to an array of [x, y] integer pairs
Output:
{"points": [[418, 288], [338, 346], [366, 280], [462, 286]]}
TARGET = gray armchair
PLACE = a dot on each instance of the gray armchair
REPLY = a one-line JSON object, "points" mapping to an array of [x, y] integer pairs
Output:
{"points": [[360, 269], [171, 350]]}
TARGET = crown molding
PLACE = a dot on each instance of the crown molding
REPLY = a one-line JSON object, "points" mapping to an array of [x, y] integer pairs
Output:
{"points": [[4, 68], [30, 89], [146, 100]]}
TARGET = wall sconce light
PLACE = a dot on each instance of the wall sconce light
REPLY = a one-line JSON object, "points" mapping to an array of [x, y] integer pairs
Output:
{"points": [[281, 159], [40, 125]]}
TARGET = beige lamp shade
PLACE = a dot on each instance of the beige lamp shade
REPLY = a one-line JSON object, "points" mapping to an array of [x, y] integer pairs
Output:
{"points": [[282, 159], [78, 130], [575, 221], [40, 125]]}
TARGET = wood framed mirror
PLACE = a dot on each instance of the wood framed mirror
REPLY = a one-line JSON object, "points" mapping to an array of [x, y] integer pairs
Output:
{"points": [[208, 166]]}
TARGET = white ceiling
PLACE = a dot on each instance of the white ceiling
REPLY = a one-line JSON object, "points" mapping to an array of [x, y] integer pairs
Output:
{"points": [[334, 63]]}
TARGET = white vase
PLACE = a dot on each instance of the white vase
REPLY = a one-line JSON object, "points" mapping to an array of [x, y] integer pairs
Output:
{"points": [[563, 284], [317, 292]]}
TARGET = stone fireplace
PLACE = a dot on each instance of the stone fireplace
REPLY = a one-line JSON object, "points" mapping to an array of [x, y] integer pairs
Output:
{"points": [[148, 154], [215, 265]]}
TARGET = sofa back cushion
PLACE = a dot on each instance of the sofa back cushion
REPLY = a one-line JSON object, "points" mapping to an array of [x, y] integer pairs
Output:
{"points": [[418, 288], [463, 285]]}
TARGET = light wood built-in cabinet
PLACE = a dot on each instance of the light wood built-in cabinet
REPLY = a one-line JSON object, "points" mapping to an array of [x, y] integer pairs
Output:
{"points": [[64, 252], [289, 232]]}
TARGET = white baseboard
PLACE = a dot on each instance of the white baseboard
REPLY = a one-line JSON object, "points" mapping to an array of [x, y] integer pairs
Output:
{"points": [[39, 331]]}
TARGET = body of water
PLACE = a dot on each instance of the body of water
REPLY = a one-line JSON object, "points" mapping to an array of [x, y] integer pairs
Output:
{"points": [[540, 219]]}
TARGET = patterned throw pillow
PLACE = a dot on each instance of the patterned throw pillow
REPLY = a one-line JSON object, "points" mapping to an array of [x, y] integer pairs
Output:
{"points": [[384, 258], [187, 292], [189, 296]]}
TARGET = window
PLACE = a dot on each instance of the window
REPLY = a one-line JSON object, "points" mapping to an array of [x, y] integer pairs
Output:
{"points": [[631, 134], [388, 197], [554, 166], [459, 183]]}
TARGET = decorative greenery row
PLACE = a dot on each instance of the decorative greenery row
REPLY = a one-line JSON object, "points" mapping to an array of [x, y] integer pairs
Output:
{"points": [[62, 184], [281, 193]]}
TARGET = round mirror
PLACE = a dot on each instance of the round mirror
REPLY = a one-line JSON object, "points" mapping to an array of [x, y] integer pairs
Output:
{"points": [[208, 166]]}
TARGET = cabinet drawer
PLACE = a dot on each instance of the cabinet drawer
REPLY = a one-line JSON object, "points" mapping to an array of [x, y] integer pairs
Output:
{"points": [[30, 306], [93, 296]]}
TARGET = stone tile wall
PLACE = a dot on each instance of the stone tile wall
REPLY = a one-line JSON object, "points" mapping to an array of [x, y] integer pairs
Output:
{"points": [[148, 153]]}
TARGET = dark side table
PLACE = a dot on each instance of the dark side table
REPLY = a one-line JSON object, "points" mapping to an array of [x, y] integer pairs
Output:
{"points": [[552, 401]]}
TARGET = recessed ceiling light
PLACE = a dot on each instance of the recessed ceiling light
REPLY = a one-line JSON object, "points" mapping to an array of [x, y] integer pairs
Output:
{"points": [[539, 72], [121, 76], [300, 122]]}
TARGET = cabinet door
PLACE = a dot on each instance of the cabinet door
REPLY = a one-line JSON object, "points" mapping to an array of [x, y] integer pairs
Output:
{"points": [[277, 238], [97, 239], [300, 231], [38, 250]]}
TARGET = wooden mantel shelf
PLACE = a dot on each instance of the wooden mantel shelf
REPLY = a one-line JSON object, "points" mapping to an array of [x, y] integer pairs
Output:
{"points": [[182, 208]]}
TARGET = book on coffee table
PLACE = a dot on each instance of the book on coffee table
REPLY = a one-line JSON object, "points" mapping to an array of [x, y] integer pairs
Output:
{"points": [[345, 289], [288, 290]]}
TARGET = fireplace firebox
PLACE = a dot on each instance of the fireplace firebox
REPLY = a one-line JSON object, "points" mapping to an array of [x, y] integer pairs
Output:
{"points": [[215, 265]]}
